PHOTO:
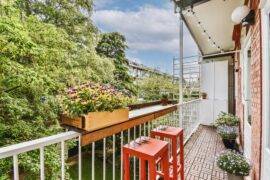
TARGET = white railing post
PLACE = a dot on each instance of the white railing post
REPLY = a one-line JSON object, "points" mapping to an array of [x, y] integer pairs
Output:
{"points": [[104, 158], [15, 167], [114, 157], [62, 160], [80, 158], [93, 160], [41, 156], [121, 158], [134, 158]]}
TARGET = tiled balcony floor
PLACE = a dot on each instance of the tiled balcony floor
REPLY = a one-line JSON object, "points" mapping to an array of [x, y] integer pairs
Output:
{"points": [[200, 153]]}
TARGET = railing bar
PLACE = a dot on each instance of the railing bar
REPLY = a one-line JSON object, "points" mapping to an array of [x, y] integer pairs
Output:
{"points": [[114, 157], [128, 135], [134, 158], [80, 158], [144, 129], [93, 160], [148, 124], [140, 130], [140, 135], [62, 160], [41, 157], [15, 167], [104, 158], [121, 158]]}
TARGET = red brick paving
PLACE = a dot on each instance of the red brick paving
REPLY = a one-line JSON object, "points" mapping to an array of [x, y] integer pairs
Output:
{"points": [[200, 155]]}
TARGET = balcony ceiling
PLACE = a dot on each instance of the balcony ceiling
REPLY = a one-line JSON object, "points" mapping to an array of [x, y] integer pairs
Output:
{"points": [[215, 18]]}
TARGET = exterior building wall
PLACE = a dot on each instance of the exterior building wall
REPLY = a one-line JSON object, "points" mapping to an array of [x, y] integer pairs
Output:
{"points": [[256, 92]]}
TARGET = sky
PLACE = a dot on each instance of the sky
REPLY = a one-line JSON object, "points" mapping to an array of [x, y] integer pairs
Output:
{"points": [[150, 26]]}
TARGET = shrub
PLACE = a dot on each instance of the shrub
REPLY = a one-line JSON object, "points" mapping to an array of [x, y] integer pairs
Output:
{"points": [[227, 119], [93, 97], [227, 132], [165, 96], [233, 163]]}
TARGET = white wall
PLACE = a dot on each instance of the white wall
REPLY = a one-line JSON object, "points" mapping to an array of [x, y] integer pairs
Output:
{"points": [[214, 82]]}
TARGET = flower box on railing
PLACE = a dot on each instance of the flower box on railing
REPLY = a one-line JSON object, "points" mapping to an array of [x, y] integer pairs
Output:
{"points": [[97, 120]]}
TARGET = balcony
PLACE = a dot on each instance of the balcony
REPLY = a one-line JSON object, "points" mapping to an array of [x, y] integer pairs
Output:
{"points": [[202, 144]]}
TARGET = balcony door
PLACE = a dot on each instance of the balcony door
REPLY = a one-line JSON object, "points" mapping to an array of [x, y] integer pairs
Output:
{"points": [[214, 82], [265, 171]]}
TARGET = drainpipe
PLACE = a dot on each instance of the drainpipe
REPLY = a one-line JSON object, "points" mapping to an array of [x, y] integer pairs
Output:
{"points": [[181, 59]]}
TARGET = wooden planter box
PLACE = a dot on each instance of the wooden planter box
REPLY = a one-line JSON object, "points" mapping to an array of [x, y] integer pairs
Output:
{"points": [[97, 120]]}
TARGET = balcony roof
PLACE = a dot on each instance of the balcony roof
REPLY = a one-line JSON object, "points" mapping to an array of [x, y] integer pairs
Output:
{"points": [[186, 3], [215, 18]]}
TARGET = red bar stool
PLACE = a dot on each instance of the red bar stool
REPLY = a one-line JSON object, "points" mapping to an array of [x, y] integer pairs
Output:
{"points": [[149, 151], [176, 136]]}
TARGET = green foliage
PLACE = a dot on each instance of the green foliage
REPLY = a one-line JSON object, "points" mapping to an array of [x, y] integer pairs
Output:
{"points": [[226, 119], [95, 98], [153, 87], [39, 60], [113, 45], [72, 16], [233, 163], [165, 96]]}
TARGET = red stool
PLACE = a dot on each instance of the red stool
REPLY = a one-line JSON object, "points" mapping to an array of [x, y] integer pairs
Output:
{"points": [[150, 151], [174, 134]]}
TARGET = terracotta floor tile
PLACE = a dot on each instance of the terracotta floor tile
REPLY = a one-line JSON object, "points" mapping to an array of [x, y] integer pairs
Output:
{"points": [[200, 155]]}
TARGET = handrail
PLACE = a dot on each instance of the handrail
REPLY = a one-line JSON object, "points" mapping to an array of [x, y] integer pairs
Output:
{"points": [[191, 101], [148, 104], [35, 144]]}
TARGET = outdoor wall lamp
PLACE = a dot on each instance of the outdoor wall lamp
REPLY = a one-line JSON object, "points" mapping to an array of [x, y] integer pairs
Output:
{"points": [[244, 15]]}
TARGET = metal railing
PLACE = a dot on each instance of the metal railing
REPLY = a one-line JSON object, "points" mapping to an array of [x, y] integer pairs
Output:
{"points": [[189, 113], [106, 153], [125, 137], [16, 149]]}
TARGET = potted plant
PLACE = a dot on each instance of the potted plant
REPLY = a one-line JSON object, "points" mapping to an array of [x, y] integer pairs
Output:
{"points": [[203, 95], [226, 119], [93, 106], [228, 135], [164, 99], [236, 165]]}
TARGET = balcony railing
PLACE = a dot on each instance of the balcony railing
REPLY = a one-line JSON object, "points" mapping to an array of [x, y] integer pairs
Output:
{"points": [[189, 113], [107, 142]]}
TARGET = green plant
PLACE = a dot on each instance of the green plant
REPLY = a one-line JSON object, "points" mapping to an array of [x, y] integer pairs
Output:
{"points": [[153, 87], [233, 163], [226, 119], [165, 96], [94, 97], [227, 132]]}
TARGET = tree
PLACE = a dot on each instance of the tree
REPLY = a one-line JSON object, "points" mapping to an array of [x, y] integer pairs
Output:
{"points": [[113, 45], [151, 88], [38, 61], [72, 16]]}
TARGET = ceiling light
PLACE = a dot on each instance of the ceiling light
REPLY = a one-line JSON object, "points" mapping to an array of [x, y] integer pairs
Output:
{"points": [[243, 14]]}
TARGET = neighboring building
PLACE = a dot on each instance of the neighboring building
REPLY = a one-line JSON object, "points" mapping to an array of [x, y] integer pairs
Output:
{"points": [[139, 71], [235, 70]]}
